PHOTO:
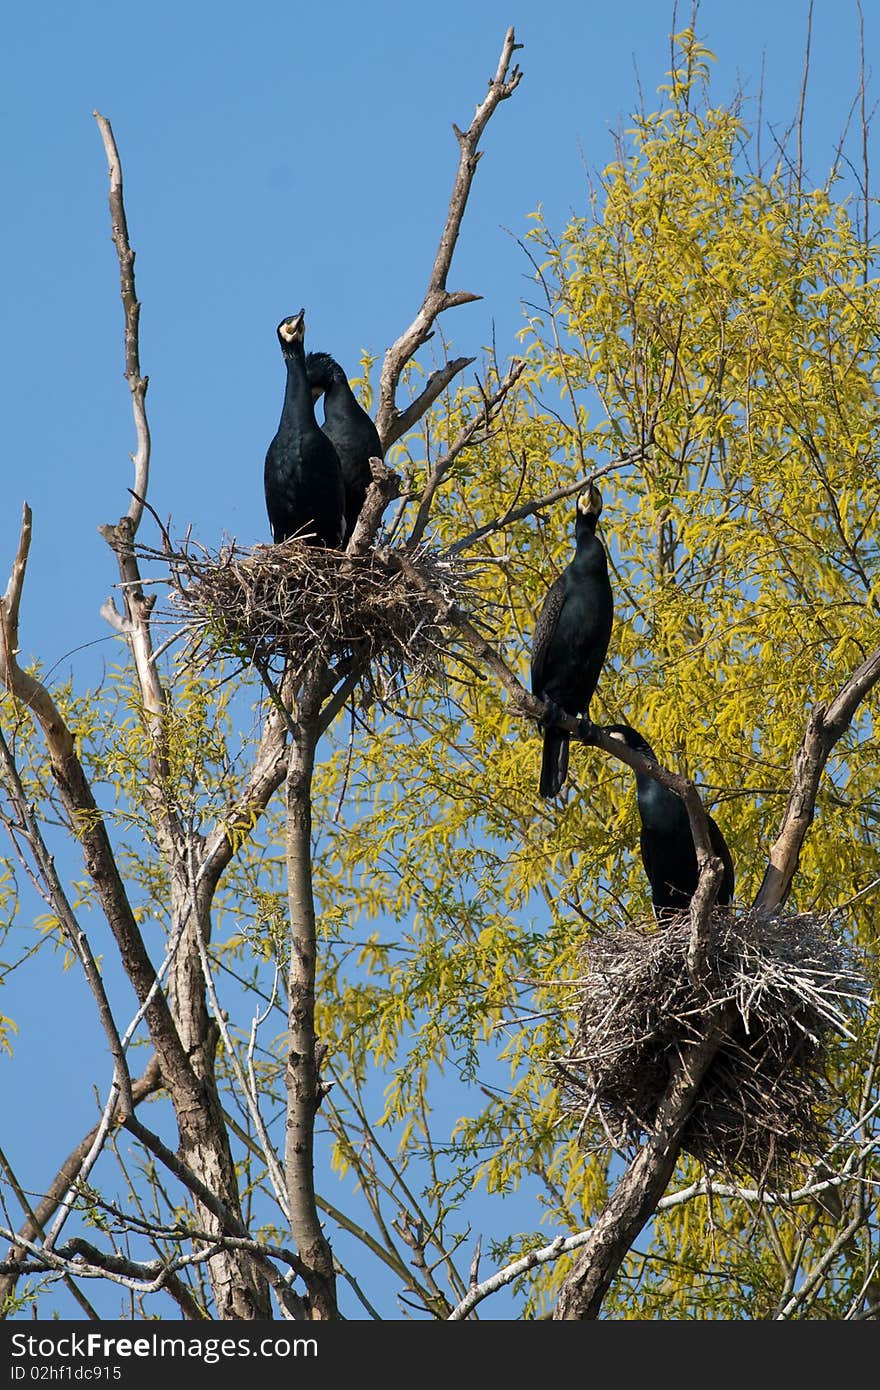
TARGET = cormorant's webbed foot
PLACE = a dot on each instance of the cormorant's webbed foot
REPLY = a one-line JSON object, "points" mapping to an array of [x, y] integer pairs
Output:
{"points": [[587, 730], [552, 714]]}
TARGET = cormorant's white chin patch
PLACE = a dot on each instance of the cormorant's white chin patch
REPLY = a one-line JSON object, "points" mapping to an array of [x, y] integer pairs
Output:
{"points": [[590, 501], [288, 332]]}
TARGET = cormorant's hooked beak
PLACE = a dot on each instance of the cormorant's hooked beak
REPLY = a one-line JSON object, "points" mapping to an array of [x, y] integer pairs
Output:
{"points": [[590, 502], [293, 330], [627, 735]]}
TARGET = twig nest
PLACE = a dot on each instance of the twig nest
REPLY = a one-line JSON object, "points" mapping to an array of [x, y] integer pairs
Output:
{"points": [[763, 1106], [292, 602]]}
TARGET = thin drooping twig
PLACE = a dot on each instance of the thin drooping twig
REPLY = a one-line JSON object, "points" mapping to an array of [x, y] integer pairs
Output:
{"points": [[137, 384], [557, 342], [481, 420], [438, 298], [29, 827], [121, 1088], [802, 102], [539, 504], [38, 1219]]}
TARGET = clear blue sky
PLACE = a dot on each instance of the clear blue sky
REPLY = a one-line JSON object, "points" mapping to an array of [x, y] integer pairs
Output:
{"points": [[278, 156]]}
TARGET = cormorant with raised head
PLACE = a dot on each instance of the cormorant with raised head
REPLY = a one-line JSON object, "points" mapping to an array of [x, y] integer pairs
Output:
{"points": [[302, 474], [348, 427], [571, 638], [666, 842]]}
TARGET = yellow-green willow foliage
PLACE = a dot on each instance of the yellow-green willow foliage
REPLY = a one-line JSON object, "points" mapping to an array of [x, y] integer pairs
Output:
{"points": [[727, 323]]}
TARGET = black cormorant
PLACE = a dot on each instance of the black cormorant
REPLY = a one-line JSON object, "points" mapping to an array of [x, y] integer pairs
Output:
{"points": [[302, 474], [667, 844], [350, 429], [571, 638]]}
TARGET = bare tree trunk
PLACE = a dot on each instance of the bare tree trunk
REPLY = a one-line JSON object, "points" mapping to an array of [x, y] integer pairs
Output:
{"points": [[639, 1190], [303, 1086], [240, 1289]]}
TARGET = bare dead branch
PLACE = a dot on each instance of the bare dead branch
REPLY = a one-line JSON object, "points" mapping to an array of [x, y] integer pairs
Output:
{"points": [[547, 1254], [437, 297], [382, 490], [436, 384], [134, 624], [824, 727], [137, 384], [81, 1257]]}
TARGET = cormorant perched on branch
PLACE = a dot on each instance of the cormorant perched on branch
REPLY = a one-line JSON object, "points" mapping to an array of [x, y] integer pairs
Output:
{"points": [[667, 844], [302, 474], [571, 638], [348, 427]]}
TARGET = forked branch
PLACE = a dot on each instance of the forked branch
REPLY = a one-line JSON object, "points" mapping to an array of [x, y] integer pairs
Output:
{"points": [[391, 422], [825, 726]]}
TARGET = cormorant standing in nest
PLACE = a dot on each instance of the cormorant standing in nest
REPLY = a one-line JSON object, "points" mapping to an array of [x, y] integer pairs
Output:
{"points": [[349, 428], [666, 841], [571, 638], [302, 474]]}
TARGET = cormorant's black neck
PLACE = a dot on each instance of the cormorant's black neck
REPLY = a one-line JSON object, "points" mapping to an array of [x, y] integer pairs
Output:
{"points": [[297, 394], [585, 527], [658, 803], [589, 554]]}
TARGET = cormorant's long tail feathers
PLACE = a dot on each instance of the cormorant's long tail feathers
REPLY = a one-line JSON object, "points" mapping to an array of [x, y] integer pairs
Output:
{"points": [[554, 762]]}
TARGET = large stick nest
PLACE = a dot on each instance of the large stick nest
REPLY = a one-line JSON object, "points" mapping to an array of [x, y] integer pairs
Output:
{"points": [[287, 604], [763, 1107]]}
